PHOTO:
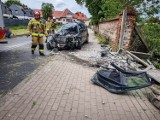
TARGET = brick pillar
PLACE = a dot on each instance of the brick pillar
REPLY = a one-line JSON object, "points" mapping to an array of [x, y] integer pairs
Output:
{"points": [[127, 31], [132, 20], [116, 41]]}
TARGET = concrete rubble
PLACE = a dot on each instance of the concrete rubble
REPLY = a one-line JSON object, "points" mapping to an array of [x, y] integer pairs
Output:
{"points": [[122, 58], [128, 61]]}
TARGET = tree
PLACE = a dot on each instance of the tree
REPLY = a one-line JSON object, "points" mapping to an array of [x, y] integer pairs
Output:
{"points": [[108, 9], [10, 2], [47, 10]]}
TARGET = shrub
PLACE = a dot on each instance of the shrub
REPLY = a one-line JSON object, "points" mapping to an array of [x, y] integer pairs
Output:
{"points": [[152, 33], [101, 39]]}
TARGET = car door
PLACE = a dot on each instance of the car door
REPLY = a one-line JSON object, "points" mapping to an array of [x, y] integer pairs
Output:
{"points": [[82, 33], [86, 34]]}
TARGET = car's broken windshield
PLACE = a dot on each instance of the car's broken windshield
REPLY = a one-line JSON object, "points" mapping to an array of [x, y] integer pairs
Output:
{"points": [[68, 28]]}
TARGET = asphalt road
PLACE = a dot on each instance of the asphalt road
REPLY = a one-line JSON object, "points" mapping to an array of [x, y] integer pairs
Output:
{"points": [[17, 62]]}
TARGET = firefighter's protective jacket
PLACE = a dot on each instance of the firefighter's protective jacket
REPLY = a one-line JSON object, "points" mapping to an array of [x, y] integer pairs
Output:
{"points": [[49, 26], [36, 28]]}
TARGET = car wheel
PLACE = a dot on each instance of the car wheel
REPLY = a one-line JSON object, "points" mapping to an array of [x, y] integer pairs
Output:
{"points": [[59, 49], [79, 46], [49, 46], [87, 39]]}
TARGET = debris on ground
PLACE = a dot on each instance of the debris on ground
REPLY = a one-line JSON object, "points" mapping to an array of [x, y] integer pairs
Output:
{"points": [[54, 52], [122, 58], [137, 62]]}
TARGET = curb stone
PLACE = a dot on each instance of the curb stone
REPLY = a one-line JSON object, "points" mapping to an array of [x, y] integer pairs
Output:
{"points": [[154, 97]]}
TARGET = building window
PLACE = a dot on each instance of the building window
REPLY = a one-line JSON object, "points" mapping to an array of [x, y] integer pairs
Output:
{"points": [[31, 13], [16, 11], [64, 20], [69, 20]]}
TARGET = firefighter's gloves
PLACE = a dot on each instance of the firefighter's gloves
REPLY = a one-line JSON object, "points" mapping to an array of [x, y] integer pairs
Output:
{"points": [[27, 35]]}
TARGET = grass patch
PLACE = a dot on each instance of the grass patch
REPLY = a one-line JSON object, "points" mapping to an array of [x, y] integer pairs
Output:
{"points": [[101, 39], [18, 27], [19, 32], [22, 30]]}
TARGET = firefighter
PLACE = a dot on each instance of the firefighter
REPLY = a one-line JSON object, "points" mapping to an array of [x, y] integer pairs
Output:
{"points": [[36, 28], [50, 26], [53, 25]]}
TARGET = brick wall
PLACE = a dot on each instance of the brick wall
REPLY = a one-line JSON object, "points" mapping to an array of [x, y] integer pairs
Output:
{"points": [[108, 29], [111, 29]]}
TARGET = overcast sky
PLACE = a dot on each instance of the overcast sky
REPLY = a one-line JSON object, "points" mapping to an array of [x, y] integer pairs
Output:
{"points": [[58, 4]]}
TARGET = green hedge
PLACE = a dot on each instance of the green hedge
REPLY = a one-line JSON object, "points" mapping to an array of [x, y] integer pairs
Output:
{"points": [[152, 34]]}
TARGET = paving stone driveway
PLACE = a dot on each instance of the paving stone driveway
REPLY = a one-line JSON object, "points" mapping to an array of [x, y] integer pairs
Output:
{"points": [[62, 90]]}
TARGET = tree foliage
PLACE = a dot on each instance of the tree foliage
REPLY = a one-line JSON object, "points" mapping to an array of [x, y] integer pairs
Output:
{"points": [[47, 10], [108, 9], [17, 2], [10, 2]]}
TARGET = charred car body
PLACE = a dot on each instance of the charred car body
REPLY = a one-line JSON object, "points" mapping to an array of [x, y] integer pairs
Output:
{"points": [[71, 35]]}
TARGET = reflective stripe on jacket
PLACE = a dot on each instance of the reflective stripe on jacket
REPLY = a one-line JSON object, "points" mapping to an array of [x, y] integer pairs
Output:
{"points": [[37, 34]]}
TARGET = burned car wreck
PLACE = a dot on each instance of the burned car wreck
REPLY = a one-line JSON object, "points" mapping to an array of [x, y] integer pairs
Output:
{"points": [[70, 36]]}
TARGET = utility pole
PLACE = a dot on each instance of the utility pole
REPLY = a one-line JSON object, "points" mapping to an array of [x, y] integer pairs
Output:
{"points": [[1, 16]]}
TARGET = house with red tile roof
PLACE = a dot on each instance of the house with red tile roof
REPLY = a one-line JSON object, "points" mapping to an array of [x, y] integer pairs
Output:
{"points": [[80, 16], [65, 16]]}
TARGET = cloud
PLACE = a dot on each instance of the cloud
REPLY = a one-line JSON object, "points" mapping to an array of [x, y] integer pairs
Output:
{"points": [[59, 1], [60, 5]]}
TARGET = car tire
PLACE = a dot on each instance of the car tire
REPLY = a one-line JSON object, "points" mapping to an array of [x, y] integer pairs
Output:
{"points": [[49, 46], [79, 46], [59, 49], [87, 39]]}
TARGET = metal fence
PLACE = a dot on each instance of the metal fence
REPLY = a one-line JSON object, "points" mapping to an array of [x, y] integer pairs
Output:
{"points": [[15, 22]]}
